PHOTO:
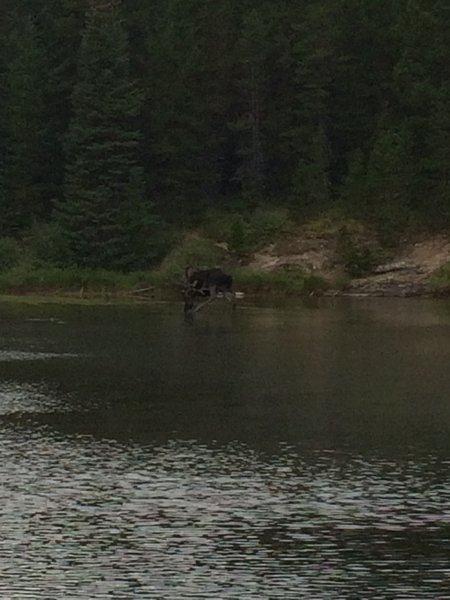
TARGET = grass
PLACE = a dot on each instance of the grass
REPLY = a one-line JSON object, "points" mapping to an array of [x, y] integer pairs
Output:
{"points": [[440, 280], [224, 239], [88, 284], [289, 283], [332, 222], [29, 270], [244, 232], [25, 280]]}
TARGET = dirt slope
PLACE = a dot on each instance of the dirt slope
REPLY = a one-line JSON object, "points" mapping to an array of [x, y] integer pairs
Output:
{"points": [[405, 271]]}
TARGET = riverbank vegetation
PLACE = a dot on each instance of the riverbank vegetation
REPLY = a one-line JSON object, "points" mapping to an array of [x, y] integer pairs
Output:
{"points": [[147, 285], [137, 137], [35, 266], [440, 280]]}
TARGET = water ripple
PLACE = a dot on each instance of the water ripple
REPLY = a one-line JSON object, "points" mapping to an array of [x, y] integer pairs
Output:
{"points": [[19, 355], [83, 518], [28, 399]]}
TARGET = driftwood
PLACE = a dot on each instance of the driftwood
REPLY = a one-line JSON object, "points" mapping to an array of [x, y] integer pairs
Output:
{"points": [[141, 291], [137, 297]]}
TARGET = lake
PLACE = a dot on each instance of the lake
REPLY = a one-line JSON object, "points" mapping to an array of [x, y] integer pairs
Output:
{"points": [[277, 452]]}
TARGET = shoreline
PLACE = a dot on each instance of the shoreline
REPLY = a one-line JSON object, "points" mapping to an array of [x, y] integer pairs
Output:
{"points": [[161, 298], [302, 262]]}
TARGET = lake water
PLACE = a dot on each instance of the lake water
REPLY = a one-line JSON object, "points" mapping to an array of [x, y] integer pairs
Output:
{"points": [[296, 452]]}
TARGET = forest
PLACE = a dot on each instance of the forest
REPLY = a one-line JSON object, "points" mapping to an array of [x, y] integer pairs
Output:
{"points": [[124, 121]]}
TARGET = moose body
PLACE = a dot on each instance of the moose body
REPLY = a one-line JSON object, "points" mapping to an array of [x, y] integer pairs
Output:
{"points": [[206, 283]]}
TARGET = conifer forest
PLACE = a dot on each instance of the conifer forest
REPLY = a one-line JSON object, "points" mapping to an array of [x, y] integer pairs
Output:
{"points": [[122, 119]]}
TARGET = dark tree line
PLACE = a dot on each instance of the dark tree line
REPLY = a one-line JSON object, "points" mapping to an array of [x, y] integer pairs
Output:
{"points": [[119, 117]]}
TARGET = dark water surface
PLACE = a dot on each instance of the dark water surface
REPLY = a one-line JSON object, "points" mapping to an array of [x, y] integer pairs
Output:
{"points": [[291, 453]]}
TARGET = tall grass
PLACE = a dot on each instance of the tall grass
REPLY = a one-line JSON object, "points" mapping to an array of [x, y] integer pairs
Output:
{"points": [[94, 283], [290, 282], [22, 279], [440, 280]]}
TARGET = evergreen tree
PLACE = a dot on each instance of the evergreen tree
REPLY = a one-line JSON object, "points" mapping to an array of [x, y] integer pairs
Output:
{"points": [[102, 147], [22, 196], [353, 191], [389, 176], [422, 85], [241, 103], [310, 137], [363, 60], [436, 163], [188, 88], [59, 26], [249, 124]]}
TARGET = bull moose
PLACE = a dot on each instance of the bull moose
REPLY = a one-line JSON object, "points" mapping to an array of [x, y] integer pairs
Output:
{"points": [[206, 283]]}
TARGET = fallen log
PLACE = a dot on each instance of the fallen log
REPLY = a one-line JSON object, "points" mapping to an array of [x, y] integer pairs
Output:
{"points": [[141, 290]]}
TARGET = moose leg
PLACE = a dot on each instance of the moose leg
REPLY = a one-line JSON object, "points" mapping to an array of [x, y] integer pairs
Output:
{"points": [[188, 305], [231, 298], [212, 296], [189, 294]]}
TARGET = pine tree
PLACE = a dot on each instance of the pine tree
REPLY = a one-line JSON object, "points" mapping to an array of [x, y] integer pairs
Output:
{"points": [[436, 163], [311, 181], [249, 124], [422, 83], [187, 77], [310, 139], [102, 147], [390, 176], [22, 196], [59, 26], [353, 192], [361, 84], [242, 101]]}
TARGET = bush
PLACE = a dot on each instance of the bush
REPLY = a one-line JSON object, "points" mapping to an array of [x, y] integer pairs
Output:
{"points": [[47, 245], [358, 259], [333, 222], [243, 233], [193, 250], [440, 280], [217, 224], [9, 253], [265, 224], [240, 238]]}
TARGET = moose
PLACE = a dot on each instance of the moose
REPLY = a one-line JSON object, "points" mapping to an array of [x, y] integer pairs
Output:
{"points": [[206, 283]]}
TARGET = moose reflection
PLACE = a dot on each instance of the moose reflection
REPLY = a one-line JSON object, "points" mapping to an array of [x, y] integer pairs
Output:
{"points": [[206, 284]]}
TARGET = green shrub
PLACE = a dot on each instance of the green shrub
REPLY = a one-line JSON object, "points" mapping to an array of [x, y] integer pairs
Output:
{"points": [[440, 280], [341, 281], [244, 232], [315, 284], [265, 224], [333, 222], [9, 253], [357, 258], [240, 237], [195, 251], [217, 224], [47, 245]]}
